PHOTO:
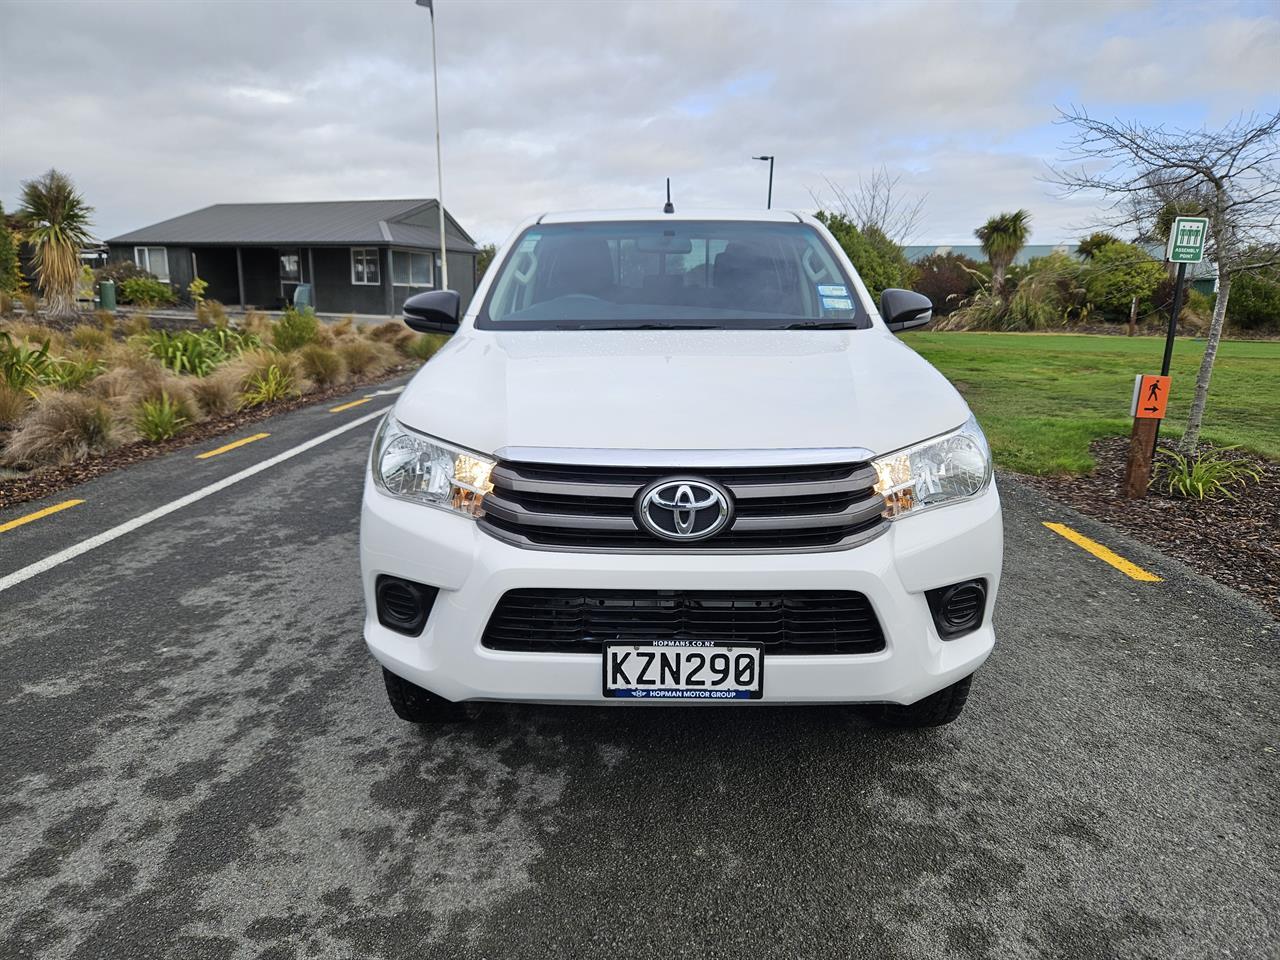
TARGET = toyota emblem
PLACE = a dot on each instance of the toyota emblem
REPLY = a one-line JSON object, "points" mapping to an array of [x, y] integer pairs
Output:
{"points": [[684, 508]]}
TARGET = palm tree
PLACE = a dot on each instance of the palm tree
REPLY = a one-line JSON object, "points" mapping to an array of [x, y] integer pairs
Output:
{"points": [[56, 222], [1094, 242], [1002, 237]]}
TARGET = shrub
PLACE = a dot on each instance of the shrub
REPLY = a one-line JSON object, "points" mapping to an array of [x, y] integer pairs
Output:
{"points": [[364, 358], [63, 427], [948, 279], [146, 292], [30, 304], [23, 367], [1205, 475], [1254, 303], [425, 345], [388, 332], [71, 374], [219, 393], [106, 320], [322, 365], [268, 386], [1118, 272], [879, 261], [160, 419], [294, 329], [10, 268], [6, 304], [13, 404], [211, 313], [196, 289], [136, 324], [186, 351], [130, 380], [87, 337], [119, 271]]}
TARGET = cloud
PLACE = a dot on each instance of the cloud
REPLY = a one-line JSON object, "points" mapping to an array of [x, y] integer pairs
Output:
{"points": [[160, 108]]}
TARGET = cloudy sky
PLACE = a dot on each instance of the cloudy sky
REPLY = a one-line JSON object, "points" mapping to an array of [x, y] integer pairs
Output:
{"points": [[156, 108]]}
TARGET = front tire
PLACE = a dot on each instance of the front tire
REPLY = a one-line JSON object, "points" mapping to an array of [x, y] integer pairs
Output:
{"points": [[935, 710], [412, 703]]}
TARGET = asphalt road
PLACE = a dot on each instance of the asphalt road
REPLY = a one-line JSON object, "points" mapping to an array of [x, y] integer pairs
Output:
{"points": [[198, 761]]}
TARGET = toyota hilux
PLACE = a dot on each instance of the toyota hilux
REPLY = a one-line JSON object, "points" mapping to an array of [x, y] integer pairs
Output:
{"points": [[678, 458]]}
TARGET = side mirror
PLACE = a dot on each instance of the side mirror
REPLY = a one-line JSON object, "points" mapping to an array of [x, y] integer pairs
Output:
{"points": [[904, 309], [435, 311]]}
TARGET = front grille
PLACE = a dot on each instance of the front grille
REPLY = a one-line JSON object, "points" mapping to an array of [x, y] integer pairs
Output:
{"points": [[592, 508], [794, 622]]}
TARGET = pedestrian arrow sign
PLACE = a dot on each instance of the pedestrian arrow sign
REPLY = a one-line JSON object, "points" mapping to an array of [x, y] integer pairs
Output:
{"points": [[1187, 236], [1150, 396]]}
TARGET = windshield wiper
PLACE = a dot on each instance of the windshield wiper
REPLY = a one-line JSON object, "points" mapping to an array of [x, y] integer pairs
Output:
{"points": [[655, 326], [822, 325]]}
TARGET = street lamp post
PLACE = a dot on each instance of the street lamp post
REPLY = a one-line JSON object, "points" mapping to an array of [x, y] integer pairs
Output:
{"points": [[769, 202], [435, 85]]}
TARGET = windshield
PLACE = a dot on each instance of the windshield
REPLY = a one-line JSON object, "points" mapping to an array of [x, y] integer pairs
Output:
{"points": [[678, 274]]}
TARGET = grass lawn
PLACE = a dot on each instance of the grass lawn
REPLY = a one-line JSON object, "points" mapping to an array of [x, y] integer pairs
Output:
{"points": [[1042, 398]]}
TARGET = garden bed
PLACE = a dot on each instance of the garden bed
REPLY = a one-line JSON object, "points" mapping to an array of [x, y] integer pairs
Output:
{"points": [[41, 483], [1234, 541], [77, 403]]}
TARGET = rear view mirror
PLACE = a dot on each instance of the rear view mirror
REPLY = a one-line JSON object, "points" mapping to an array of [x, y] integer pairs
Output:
{"points": [[664, 244], [905, 309], [435, 311]]}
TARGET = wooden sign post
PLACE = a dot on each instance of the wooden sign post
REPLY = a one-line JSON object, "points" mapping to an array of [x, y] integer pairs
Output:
{"points": [[1150, 399]]}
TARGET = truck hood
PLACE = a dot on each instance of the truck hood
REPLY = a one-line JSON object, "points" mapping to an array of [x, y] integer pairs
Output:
{"points": [[680, 390]]}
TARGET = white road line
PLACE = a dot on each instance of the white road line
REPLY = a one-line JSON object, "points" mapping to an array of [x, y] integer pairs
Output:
{"points": [[84, 546]]}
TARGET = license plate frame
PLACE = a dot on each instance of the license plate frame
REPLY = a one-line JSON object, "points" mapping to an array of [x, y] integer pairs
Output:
{"points": [[684, 691]]}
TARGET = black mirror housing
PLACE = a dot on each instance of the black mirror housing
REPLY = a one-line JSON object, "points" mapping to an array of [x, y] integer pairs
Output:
{"points": [[905, 309], [435, 311]]}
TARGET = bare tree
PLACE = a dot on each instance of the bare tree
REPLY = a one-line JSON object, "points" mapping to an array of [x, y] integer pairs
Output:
{"points": [[1151, 173], [876, 202]]}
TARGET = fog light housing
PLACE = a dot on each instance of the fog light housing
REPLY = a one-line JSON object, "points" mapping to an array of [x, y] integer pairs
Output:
{"points": [[402, 605], [959, 608]]}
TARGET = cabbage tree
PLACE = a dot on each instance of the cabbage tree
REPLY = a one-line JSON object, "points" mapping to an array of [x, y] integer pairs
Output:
{"points": [[1002, 237], [56, 224]]}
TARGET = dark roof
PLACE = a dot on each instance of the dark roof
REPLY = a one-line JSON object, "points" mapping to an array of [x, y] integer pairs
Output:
{"points": [[333, 221]]}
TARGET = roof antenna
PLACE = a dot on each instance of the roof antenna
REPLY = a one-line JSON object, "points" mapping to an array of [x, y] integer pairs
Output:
{"points": [[670, 207]]}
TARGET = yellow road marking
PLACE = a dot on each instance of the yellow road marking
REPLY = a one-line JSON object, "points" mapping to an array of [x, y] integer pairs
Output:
{"points": [[38, 514], [1102, 553], [348, 406], [231, 446]]}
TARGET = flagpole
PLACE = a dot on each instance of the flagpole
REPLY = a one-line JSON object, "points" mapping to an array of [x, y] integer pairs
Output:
{"points": [[435, 85]]}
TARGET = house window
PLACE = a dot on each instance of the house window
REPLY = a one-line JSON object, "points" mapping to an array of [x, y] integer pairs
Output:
{"points": [[154, 260], [364, 267], [290, 266], [411, 269]]}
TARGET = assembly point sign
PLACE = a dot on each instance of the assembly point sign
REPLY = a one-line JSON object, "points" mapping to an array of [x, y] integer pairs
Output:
{"points": [[1186, 240]]}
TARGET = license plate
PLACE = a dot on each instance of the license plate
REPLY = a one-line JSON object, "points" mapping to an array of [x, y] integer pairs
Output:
{"points": [[684, 670]]}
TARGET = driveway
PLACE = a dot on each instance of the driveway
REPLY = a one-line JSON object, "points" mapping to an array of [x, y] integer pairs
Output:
{"points": [[199, 762]]}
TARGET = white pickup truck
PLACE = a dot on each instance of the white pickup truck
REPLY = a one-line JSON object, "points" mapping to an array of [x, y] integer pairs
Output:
{"points": [[680, 459]]}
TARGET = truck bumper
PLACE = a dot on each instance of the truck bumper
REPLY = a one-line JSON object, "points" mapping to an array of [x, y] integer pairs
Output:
{"points": [[472, 570]]}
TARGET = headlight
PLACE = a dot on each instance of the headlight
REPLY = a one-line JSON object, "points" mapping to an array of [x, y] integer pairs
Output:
{"points": [[415, 467], [952, 467]]}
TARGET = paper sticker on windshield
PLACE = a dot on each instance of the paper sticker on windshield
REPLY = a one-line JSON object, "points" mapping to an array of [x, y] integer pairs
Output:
{"points": [[836, 303], [832, 290]]}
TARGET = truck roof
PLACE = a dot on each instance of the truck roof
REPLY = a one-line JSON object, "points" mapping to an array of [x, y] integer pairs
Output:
{"points": [[655, 213]]}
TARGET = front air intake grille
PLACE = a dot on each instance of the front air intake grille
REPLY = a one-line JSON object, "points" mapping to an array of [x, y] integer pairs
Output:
{"points": [[793, 623], [959, 608], [593, 508], [403, 605]]}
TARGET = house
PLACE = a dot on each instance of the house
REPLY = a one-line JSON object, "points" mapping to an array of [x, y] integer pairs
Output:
{"points": [[359, 256]]}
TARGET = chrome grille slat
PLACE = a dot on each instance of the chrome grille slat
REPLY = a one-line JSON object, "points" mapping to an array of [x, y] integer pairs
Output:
{"points": [[591, 508]]}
